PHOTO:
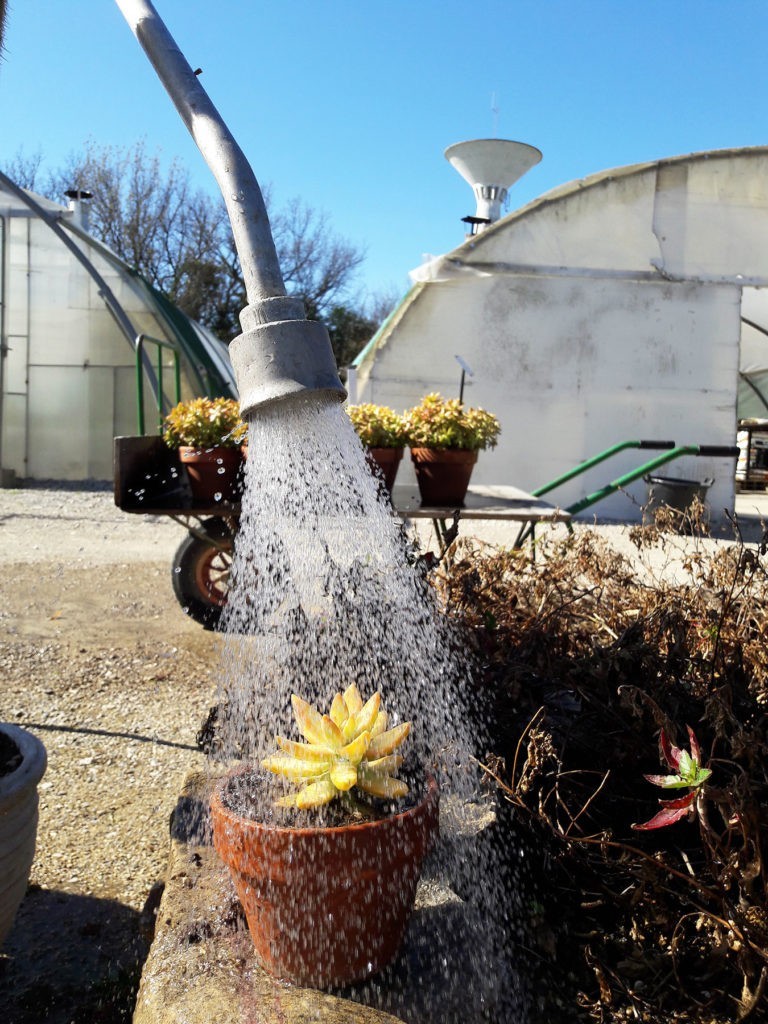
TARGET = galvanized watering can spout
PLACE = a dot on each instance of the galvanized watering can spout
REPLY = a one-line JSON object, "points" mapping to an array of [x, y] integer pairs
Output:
{"points": [[280, 353]]}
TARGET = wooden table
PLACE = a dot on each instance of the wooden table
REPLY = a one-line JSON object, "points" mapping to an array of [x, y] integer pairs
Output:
{"points": [[490, 502]]}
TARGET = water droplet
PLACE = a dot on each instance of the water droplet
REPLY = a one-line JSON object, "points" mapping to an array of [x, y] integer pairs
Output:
{"points": [[218, 496]]}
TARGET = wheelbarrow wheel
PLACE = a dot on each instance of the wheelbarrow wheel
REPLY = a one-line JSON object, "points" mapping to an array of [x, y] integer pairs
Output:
{"points": [[201, 572]]}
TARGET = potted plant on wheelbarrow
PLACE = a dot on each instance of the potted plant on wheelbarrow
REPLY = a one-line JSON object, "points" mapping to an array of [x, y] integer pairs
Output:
{"points": [[209, 435], [329, 881], [445, 436], [382, 432]]}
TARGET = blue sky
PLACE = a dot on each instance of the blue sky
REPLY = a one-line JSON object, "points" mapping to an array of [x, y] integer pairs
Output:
{"points": [[351, 104]]}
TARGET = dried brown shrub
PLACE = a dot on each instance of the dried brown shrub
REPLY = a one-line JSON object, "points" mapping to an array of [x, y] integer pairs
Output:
{"points": [[587, 654]]}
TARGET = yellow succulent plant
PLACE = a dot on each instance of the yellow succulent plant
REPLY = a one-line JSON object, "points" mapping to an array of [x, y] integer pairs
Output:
{"points": [[349, 747]]}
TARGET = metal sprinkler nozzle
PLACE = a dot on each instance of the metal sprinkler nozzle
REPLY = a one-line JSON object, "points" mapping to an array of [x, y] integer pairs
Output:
{"points": [[280, 353]]}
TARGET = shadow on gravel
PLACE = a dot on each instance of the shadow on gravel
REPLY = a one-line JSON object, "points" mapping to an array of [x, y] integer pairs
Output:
{"points": [[83, 730], [72, 960]]}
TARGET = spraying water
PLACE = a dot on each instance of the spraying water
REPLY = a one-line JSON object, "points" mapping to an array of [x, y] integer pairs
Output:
{"points": [[326, 591]]}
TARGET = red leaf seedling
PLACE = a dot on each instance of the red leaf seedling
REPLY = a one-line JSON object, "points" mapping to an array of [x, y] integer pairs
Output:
{"points": [[689, 775]]}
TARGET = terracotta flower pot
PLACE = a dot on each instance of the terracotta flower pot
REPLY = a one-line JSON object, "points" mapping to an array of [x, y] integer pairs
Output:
{"points": [[443, 476], [215, 474], [18, 820], [326, 906], [387, 460]]}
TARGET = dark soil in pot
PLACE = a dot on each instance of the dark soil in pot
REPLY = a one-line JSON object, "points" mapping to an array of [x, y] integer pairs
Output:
{"points": [[10, 755]]}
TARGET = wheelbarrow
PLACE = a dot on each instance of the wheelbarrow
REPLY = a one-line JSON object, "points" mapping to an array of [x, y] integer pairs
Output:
{"points": [[150, 480]]}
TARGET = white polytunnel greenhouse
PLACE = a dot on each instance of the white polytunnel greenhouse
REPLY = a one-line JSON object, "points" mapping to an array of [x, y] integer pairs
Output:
{"points": [[90, 350], [632, 304]]}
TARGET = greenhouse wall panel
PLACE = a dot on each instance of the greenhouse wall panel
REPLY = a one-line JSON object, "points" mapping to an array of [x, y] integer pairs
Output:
{"points": [[101, 417], [14, 434], [125, 413], [60, 446], [58, 337], [108, 345], [17, 279]]}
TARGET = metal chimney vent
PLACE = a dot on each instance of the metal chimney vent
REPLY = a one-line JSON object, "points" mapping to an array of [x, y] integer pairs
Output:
{"points": [[78, 206]]}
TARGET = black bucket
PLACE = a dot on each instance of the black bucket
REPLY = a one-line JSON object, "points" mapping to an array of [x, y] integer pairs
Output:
{"points": [[675, 493]]}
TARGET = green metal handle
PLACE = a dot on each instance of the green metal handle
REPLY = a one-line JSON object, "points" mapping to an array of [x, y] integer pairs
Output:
{"points": [[600, 457], [647, 467], [161, 344]]}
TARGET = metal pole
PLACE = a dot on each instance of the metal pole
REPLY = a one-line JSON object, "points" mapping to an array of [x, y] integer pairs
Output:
{"points": [[238, 184], [280, 353]]}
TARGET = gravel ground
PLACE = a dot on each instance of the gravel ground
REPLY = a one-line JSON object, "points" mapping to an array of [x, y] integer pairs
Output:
{"points": [[99, 662]]}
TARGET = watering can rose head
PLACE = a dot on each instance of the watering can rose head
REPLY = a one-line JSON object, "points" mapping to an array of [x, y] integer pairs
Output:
{"points": [[446, 423], [205, 423], [377, 426], [351, 747]]}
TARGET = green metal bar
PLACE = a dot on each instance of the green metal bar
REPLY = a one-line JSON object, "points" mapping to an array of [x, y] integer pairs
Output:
{"points": [[161, 344], [714, 450], [140, 425], [159, 388], [595, 459], [718, 451], [627, 478]]}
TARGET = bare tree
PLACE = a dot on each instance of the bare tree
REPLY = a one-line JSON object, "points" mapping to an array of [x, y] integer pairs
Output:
{"points": [[317, 264], [25, 170], [181, 239], [145, 213]]}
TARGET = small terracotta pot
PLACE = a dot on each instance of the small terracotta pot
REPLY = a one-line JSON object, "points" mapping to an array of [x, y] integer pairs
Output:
{"points": [[387, 460], [215, 474], [443, 476], [326, 906]]}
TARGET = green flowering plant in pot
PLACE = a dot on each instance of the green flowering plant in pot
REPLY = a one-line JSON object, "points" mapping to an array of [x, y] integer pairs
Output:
{"points": [[447, 424], [382, 432], [209, 436], [328, 903], [445, 436], [378, 426], [205, 423]]}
